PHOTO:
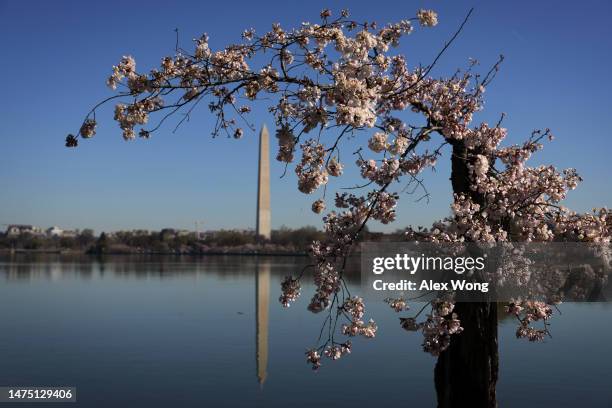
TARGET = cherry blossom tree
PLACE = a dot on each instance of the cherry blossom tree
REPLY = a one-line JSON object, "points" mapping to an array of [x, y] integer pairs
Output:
{"points": [[336, 85]]}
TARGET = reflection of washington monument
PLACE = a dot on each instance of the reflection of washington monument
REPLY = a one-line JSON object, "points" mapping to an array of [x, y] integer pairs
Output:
{"points": [[262, 282], [262, 297]]}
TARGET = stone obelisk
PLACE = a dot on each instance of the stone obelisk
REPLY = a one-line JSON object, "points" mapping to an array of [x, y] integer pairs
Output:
{"points": [[263, 228], [262, 299]]}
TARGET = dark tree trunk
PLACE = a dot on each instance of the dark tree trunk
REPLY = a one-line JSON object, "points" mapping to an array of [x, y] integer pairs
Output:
{"points": [[466, 372]]}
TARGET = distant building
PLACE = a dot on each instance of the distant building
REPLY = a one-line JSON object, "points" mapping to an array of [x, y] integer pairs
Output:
{"points": [[18, 229], [69, 233], [55, 231]]}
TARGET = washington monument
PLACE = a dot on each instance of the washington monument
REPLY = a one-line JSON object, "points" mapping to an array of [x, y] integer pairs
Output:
{"points": [[262, 228]]}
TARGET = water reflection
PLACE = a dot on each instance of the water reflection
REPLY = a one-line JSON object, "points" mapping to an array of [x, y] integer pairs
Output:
{"points": [[54, 267], [262, 300], [183, 326]]}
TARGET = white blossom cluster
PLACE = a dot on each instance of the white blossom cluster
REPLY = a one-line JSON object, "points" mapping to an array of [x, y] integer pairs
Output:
{"points": [[527, 312], [354, 308], [437, 328], [311, 170], [290, 291]]}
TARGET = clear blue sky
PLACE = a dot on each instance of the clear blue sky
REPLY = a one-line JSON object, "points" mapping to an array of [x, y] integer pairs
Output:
{"points": [[57, 55]]}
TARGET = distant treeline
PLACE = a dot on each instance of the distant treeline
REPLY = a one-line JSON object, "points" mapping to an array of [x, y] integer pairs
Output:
{"points": [[283, 240], [28, 241]]}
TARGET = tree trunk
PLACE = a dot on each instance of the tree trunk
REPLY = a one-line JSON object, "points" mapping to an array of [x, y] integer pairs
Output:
{"points": [[466, 372]]}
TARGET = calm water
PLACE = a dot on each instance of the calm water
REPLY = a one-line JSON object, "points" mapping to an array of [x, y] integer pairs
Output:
{"points": [[163, 332]]}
